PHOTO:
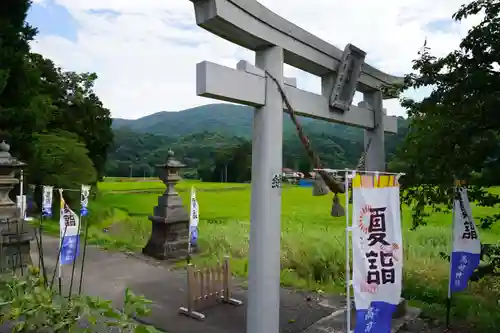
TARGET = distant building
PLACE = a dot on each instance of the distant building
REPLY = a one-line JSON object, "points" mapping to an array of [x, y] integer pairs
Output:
{"points": [[291, 176]]}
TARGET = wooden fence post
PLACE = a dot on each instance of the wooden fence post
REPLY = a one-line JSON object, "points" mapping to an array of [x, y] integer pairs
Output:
{"points": [[194, 295], [207, 286], [227, 284]]}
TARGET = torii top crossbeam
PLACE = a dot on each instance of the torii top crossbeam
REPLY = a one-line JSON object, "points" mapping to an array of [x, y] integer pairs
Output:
{"points": [[253, 26]]}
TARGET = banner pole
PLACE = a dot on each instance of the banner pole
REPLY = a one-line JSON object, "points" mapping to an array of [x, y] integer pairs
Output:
{"points": [[21, 194], [59, 279], [22, 216], [61, 239], [85, 242], [84, 201], [347, 256], [188, 259], [448, 299], [58, 264], [75, 257], [46, 194], [40, 251]]}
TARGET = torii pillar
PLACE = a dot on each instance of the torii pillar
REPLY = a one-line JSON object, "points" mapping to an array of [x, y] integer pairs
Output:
{"points": [[265, 228]]}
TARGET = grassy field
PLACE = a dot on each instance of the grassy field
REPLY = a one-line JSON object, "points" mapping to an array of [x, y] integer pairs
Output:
{"points": [[115, 185], [312, 242]]}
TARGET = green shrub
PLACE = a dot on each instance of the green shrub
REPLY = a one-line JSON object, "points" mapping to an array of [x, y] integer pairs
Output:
{"points": [[31, 307]]}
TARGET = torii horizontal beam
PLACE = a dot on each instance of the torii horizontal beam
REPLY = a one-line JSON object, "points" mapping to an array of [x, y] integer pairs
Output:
{"points": [[253, 26], [247, 85]]}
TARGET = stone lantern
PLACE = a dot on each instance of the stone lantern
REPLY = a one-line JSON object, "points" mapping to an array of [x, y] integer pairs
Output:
{"points": [[170, 221], [15, 234]]}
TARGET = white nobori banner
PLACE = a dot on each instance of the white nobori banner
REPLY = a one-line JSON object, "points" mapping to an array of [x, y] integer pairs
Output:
{"points": [[377, 251], [466, 251], [21, 204], [69, 228], [47, 201], [194, 218]]}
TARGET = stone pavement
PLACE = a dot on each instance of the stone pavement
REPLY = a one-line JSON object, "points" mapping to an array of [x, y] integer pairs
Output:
{"points": [[108, 274]]}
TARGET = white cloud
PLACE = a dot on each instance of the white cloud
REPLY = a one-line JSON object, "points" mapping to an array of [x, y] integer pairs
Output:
{"points": [[145, 57]]}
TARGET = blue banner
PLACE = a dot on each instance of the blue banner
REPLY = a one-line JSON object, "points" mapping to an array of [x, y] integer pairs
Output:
{"points": [[47, 201], [84, 211], [463, 265], [46, 212], [194, 235], [69, 228], [84, 200], [376, 319], [69, 249]]}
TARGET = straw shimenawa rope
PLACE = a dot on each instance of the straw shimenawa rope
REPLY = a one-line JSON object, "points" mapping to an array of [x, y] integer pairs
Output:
{"points": [[334, 185]]}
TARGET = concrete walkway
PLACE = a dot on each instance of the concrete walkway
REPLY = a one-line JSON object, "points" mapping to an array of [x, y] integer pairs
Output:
{"points": [[108, 274]]}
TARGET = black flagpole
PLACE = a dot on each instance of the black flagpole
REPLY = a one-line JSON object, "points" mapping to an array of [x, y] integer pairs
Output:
{"points": [[40, 250], [450, 294], [58, 264], [85, 241]]}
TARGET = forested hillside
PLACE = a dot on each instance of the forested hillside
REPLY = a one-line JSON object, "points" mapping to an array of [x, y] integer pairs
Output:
{"points": [[207, 139]]}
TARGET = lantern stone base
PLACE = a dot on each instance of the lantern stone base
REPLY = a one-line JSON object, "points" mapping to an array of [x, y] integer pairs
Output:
{"points": [[169, 240], [15, 238], [15, 233], [16, 257]]}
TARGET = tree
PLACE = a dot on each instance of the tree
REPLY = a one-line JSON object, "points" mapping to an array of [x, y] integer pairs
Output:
{"points": [[239, 165], [76, 108], [18, 79], [61, 160], [454, 132], [37, 97]]}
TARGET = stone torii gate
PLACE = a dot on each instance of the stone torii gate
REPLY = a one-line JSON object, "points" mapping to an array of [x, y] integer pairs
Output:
{"points": [[277, 41]]}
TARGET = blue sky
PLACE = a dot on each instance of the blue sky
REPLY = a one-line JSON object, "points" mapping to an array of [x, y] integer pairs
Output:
{"points": [[53, 19], [145, 52]]}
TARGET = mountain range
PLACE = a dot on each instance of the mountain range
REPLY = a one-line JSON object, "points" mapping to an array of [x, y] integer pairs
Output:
{"points": [[200, 134], [227, 119]]}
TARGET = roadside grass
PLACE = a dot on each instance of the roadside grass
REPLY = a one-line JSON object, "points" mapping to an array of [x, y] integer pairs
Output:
{"points": [[312, 243]]}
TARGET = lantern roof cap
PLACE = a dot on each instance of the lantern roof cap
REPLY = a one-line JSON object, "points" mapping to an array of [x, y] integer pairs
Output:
{"points": [[171, 162], [6, 158]]}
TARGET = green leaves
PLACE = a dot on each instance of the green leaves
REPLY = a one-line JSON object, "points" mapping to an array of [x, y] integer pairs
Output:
{"points": [[32, 307], [135, 305], [455, 131], [37, 97], [145, 329], [61, 160]]}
